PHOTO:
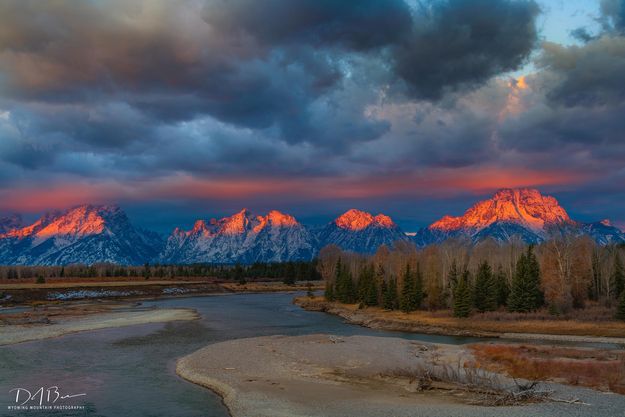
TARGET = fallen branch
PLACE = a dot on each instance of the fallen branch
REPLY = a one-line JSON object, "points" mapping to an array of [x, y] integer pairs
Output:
{"points": [[573, 401]]}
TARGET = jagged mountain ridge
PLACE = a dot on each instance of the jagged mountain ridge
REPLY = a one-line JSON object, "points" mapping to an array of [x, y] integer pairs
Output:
{"points": [[359, 231], [90, 234], [244, 238], [524, 213], [85, 234]]}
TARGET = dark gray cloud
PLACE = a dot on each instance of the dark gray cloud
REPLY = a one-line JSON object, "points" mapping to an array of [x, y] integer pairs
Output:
{"points": [[133, 90], [587, 75], [361, 25], [252, 64], [613, 14], [463, 43]]}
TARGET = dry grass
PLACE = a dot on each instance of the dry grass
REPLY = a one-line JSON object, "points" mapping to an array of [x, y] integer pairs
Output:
{"points": [[602, 369], [271, 286], [593, 321]]}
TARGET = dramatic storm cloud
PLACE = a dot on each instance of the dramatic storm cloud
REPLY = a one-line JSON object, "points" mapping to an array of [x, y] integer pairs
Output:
{"points": [[311, 106]]}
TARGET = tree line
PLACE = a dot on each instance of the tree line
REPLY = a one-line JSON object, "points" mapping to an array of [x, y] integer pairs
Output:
{"points": [[558, 275], [289, 272]]}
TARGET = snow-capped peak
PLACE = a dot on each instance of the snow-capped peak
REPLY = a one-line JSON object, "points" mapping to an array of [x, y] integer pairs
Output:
{"points": [[355, 220], [77, 222], [83, 234], [242, 237], [524, 206]]}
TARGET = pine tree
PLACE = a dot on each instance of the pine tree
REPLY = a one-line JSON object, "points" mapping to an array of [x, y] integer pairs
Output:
{"points": [[503, 289], [345, 290], [620, 308], [485, 291], [462, 296], [617, 279], [453, 275], [525, 294], [367, 286], [379, 283], [390, 295], [418, 290], [406, 300]]}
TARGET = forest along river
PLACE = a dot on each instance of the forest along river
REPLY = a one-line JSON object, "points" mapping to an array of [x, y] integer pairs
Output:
{"points": [[129, 371]]}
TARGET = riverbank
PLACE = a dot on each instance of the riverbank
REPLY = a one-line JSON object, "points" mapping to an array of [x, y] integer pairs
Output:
{"points": [[28, 293], [611, 332], [323, 375], [56, 321]]}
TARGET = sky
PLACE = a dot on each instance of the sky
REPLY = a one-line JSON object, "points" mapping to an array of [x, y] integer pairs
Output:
{"points": [[195, 109]]}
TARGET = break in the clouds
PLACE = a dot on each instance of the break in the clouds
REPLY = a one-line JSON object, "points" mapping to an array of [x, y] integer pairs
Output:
{"points": [[335, 102]]}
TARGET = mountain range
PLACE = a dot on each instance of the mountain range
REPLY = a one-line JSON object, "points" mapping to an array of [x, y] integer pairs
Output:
{"points": [[89, 234]]}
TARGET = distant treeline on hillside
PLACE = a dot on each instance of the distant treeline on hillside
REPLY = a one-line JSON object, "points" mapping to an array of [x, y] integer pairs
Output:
{"points": [[285, 271]]}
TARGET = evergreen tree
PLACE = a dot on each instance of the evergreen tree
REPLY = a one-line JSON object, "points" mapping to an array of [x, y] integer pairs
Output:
{"points": [[617, 279], [380, 283], [418, 290], [453, 275], [406, 300], [462, 296], [367, 286], [503, 289], [485, 291], [386, 302], [525, 294], [345, 290], [371, 291], [390, 295], [620, 308]]}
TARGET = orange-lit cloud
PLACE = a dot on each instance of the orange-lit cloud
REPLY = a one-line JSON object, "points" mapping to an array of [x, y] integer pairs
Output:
{"points": [[437, 182]]}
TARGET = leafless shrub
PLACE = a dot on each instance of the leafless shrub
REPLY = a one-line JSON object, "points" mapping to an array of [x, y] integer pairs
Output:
{"points": [[486, 388]]}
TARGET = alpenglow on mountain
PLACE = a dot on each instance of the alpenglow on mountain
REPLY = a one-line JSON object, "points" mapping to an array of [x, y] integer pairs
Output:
{"points": [[85, 234], [244, 238], [91, 234], [359, 231], [523, 213]]}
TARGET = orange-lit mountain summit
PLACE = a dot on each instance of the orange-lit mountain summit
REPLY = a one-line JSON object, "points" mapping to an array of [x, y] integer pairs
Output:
{"points": [[89, 234]]}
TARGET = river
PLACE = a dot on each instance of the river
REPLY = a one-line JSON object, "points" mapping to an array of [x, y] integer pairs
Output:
{"points": [[129, 371]]}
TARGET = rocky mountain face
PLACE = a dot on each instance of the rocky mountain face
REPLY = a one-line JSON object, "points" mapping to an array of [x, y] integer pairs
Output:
{"points": [[85, 234], [244, 238], [524, 213], [359, 231], [90, 234]]}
